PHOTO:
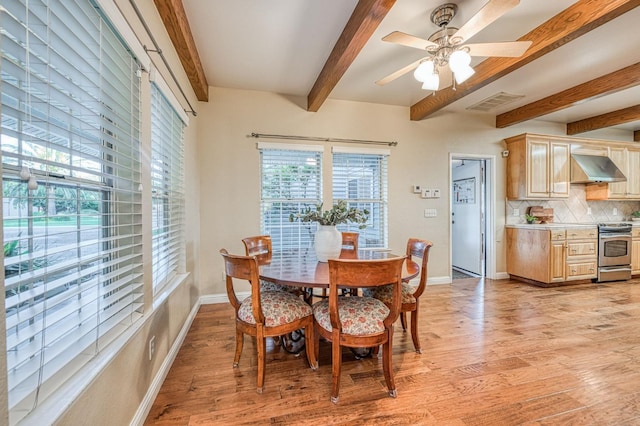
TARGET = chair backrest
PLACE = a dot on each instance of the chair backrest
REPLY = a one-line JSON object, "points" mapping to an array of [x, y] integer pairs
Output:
{"points": [[420, 249], [350, 240], [243, 268], [260, 244], [352, 273]]}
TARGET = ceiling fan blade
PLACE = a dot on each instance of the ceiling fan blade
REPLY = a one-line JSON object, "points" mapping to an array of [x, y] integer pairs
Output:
{"points": [[399, 73], [485, 16], [507, 49], [408, 40]]}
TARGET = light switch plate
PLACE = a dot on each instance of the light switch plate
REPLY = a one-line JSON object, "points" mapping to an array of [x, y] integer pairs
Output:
{"points": [[426, 193], [435, 193]]}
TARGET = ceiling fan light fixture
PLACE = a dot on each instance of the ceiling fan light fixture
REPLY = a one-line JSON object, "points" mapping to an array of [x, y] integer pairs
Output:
{"points": [[424, 70], [432, 82], [463, 74]]}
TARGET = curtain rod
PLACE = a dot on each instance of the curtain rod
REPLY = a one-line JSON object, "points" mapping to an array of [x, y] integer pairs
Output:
{"points": [[159, 52], [313, 138]]}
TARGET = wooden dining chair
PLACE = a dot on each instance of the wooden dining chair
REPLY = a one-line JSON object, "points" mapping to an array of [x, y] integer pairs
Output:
{"points": [[262, 246], [419, 249], [359, 322], [265, 314], [350, 240]]}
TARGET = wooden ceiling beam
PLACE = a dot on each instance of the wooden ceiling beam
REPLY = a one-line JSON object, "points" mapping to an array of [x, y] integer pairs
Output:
{"points": [[177, 25], [601, 121], [604, 85], [364, 20], [576, 20]]}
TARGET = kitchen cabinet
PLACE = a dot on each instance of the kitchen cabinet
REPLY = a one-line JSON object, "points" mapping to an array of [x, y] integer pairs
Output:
{"points": [[537, 168], [552, 256], [628, 161], [635, 250]]}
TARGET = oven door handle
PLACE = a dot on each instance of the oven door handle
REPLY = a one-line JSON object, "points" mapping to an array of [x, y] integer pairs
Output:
{"points": [[607, 236], [609, 269]]}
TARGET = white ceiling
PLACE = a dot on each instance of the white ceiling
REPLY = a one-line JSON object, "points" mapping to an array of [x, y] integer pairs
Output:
{"points": [[281, 46]]}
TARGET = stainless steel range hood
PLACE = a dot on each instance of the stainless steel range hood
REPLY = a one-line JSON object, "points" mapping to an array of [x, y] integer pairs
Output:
{"points": [[594, 168]]}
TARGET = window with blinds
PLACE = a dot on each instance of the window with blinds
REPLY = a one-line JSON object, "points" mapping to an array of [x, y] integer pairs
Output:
{"points": [[71, 201], [291, 179], [360, 178], [167, 188]]}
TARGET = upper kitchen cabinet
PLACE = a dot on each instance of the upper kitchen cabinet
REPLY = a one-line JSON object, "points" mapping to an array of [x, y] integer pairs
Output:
{"points": [[537, 168], [628, 161]]}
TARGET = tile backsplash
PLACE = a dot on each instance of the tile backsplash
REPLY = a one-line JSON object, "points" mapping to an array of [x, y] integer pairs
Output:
{"points": [[575, 209]]}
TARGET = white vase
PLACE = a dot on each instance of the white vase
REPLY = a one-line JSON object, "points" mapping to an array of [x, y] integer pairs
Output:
{"points": [[328, 243]]}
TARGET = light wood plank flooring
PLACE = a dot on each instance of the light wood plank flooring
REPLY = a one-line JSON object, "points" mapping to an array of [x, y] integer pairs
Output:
{"points": [[494, 353]]}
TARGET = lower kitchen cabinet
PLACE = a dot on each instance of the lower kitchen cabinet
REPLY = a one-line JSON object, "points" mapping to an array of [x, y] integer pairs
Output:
{"points": [[635, 251], [552, 256]]}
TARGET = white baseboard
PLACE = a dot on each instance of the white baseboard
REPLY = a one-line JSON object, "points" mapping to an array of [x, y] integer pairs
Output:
{"points": [[212, 299], [158, 380], [439, 280], [502, 276]]}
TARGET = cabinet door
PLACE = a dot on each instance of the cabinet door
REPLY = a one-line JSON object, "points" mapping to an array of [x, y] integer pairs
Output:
{"points": [[619, 157], [538, 168], [635, 256], [557, 261], [633, 176], [559, 168]]}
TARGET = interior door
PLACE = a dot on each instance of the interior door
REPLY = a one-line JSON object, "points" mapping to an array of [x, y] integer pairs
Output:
{"points": [[468, 216]]}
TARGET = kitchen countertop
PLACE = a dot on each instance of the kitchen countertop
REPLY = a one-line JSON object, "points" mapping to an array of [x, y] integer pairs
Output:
{"points": [[553, 225]]}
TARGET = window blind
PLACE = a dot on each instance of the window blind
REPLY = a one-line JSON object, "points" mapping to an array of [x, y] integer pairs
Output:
{"points": [[73, 258], [167, 187], [290, 181], [360, 178]]}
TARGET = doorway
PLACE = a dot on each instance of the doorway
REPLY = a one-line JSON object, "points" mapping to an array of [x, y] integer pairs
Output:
{"points": [[471, 216]]}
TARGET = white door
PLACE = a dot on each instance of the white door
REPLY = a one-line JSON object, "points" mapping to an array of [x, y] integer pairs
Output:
{"points": [[467, 224]]}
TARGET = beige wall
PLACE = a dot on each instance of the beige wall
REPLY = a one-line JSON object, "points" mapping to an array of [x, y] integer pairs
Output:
{"points": [[229, 164]]}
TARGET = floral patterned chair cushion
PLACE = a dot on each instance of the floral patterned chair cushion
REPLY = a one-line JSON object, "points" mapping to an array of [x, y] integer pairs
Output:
{"points": [[359, 315], [271, 286], [279, 307], [385, 293]]}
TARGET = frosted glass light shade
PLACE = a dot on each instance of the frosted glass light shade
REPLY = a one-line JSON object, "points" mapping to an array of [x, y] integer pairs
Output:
{"points": [[432, 82], [463, 74], [424, 70], [459, 60]]}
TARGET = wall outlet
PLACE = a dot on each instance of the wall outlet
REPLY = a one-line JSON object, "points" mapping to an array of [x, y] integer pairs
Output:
{"points": [[152, 347], [516, 212], [589, 210], [430, 213], [615, 211]]}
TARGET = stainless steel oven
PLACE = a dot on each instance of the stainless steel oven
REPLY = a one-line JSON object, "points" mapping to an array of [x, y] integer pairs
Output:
{"points": [[614, 251]]}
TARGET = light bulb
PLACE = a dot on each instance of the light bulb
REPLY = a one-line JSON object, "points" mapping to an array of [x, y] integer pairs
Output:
{"points": [[432, 82], [459, 60], [423, 71], [33, 183], [463, 74], [25, 173]]}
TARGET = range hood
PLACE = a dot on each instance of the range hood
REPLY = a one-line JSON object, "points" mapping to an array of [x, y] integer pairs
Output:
{"points": [[594, 168]]}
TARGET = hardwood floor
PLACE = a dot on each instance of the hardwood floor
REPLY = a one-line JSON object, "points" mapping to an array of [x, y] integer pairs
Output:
{"points": [[494, 353]]}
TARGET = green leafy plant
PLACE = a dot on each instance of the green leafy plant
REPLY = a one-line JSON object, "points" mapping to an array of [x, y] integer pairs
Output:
{"points": [[636, 213], [530, 218], [338, 214]]}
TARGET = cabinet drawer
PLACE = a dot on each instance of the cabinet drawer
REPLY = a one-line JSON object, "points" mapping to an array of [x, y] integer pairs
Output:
{"points": [[557, 234], [582, 233], [635, 232], [581, 249], [581, 270]]}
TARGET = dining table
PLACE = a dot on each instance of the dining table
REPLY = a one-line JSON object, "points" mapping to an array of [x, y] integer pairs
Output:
{"points": [[301, 268]]}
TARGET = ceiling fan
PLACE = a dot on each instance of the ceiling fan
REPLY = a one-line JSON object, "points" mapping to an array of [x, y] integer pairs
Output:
{"points": [[446, 48]]}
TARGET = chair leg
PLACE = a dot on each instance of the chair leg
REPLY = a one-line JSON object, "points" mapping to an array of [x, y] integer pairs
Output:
{"points": [[403, 320], [414, 331], [316, 343], [310, 346], [239, 344], [386, 365], [336, 364], [262, 349]]}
